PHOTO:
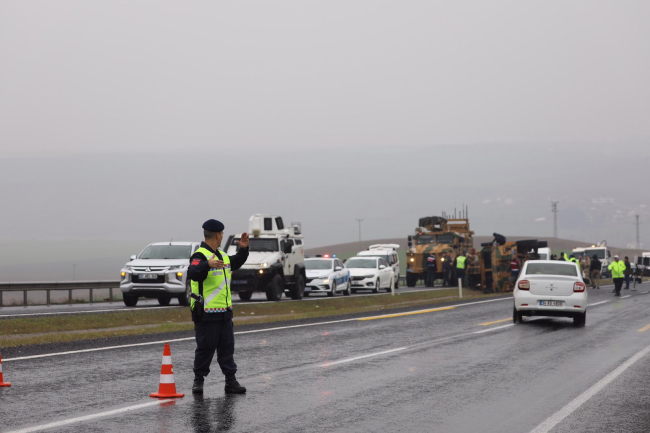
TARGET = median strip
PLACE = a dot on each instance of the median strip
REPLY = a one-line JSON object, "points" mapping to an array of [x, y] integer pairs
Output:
{"points": [[411, 313]]}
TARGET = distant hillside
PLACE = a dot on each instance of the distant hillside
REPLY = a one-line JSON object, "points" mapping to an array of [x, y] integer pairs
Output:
{"points": [[557, 245]]}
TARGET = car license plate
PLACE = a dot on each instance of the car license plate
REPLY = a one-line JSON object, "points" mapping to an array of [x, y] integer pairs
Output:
{"points": [[240, 282], [148, 276], [551, 303]]}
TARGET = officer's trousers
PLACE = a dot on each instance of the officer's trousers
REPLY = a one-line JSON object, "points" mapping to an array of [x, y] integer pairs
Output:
{"points": [[431, 277], [211, 336]]}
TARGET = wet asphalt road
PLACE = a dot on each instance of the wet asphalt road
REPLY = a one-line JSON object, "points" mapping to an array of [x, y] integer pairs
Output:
{"points": [[464, 369], [33, 310]]}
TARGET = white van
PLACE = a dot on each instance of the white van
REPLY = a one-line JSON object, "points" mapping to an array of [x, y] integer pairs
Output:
{"points": [[387, 252], [544, 253]]}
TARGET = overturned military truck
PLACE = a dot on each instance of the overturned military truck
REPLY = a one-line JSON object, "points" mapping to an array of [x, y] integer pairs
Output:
{"points": [[493, 273]]}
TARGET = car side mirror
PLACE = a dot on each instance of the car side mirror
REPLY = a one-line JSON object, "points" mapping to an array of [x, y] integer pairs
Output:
{"points": [[338, 268], [382, 267], [132, 258]]}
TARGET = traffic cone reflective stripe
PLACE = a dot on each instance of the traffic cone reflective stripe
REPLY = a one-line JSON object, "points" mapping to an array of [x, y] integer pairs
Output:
{"points": [[167, 386], [2, 382]]}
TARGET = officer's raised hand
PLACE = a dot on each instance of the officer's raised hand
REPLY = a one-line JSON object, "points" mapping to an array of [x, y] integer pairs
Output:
{"points": [[243, 242], [215, 264]]}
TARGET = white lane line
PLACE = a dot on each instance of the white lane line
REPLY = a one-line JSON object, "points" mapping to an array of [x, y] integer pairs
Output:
{"points": [[626, 296], [567, 410], [86, 311], [494, 329], [356, 358], [597, 303], [124, 346], [88, 417]]}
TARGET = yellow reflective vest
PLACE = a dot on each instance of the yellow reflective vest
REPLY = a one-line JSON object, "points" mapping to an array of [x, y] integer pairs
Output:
{"points": [[216, 287], [460, 262], [618, 269]]}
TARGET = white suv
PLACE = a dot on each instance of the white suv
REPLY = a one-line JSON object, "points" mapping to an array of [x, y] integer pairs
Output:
{"points": [[159, 271], [387, 252]]}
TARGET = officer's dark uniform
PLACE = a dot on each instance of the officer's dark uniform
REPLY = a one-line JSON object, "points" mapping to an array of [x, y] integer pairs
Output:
{"points": [[213, 331], [431, 270]]}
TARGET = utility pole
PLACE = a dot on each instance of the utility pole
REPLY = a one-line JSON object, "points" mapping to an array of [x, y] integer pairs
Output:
{"points": [[638, 234], [554, 210], [359, 220]]}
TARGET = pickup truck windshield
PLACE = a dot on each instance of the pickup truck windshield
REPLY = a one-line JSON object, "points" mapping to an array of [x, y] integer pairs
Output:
{"points": [[162, 252], [260, 244]]}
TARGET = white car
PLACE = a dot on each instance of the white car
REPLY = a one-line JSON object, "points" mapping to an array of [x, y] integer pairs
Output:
{"points": [[370, 273], [327, 275], [160, 272], [388, 252], [550, 288]]}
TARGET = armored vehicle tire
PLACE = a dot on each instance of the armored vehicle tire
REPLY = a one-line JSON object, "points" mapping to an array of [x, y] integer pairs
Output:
{"points": [[245, 296], [274, 289], [164, 300], [348, 290], [130, 300], [376, 289], [333, 292], [411, 280], [306, 295], [184, 299], [298, 290], [517, 317]]}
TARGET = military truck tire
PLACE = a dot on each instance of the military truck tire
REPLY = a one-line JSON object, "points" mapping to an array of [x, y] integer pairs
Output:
{"points": [[376, 289], [298, 290], [333, 292], [274, 289], [411, 280], [164, 300], [245, 296], [348, 290], [130, 300], [184, 299]]}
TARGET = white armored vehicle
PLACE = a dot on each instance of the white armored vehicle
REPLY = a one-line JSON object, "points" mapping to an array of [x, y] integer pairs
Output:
{"points": [[275, 262]]}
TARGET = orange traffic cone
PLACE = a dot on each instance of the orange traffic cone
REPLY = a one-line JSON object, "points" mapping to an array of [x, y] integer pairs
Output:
{"points": [[167, 387], [2, 382]]}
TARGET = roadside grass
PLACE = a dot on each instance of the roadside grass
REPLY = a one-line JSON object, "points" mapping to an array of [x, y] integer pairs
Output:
{"points": [[52, 329]]}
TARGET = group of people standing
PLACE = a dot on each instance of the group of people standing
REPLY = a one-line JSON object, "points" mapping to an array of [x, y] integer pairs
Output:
{"points": [[591, 269], [453, 268]]}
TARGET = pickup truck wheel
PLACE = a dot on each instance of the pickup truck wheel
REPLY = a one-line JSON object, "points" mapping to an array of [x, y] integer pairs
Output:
{"points": [[332, 293], [164, 300], [245, 296], [184, 299], [274, 289], [130, 300], [298, 289]]}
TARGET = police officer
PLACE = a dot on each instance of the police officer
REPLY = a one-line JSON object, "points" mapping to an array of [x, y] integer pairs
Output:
{"points": [[460, 268], [210, 271], [618, 270]]}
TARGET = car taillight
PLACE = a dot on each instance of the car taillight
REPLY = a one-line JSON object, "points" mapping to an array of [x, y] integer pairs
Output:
{"points": [[579, 287], [524, 285]]}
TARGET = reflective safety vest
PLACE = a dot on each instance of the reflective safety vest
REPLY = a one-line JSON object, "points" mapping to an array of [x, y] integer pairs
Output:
{"points": [[460, 262], [216, 288], [618, 269]]}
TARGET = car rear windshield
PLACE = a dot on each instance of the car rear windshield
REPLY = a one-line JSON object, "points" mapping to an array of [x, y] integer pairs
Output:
{"points": [[361, 263], [566, 270], [259, 244], [166, 252], [318, 264]]}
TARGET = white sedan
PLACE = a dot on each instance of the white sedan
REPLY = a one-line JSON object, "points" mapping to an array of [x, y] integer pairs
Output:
{"points": [[550, 288], [373, 273], [328, 275]]}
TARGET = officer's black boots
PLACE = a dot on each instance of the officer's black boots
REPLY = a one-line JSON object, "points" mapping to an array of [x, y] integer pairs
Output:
{"points": [[232, 386], [197, 388]]}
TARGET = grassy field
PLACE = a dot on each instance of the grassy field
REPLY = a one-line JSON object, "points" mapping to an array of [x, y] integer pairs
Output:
{"points": [[52, 329]]}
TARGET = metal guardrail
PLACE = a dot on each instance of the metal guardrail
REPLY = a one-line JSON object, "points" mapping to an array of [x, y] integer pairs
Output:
{"points": [[49, 286]]}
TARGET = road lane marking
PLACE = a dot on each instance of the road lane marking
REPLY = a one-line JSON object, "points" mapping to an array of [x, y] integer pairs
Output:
{"points": [[645, 328], [89, 417], [494, 329], [567, 410], [86, 311], [495, 322], [150, 343], [597, 303], [356, 358], [410, 313]]}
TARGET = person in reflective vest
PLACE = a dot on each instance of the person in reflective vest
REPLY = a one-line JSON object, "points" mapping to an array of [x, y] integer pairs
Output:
{"points": [[460, 268], [618, 273], [210, 273]]}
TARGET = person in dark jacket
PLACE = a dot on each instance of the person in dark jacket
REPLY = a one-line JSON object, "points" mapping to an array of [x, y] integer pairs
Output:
{"points": [[213, 327], [446, 270], [432, 268], [594, 272]]}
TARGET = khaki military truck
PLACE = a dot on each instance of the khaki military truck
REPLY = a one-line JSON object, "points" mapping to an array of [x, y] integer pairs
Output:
{"points": [[494, 274], [436, 237]]}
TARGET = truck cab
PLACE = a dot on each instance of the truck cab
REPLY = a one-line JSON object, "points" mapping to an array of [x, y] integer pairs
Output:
{"points": [[602, 252], [275, 263]]}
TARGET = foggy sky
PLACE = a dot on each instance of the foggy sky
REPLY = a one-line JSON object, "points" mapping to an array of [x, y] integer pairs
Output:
{"points": [[139, 120]]}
